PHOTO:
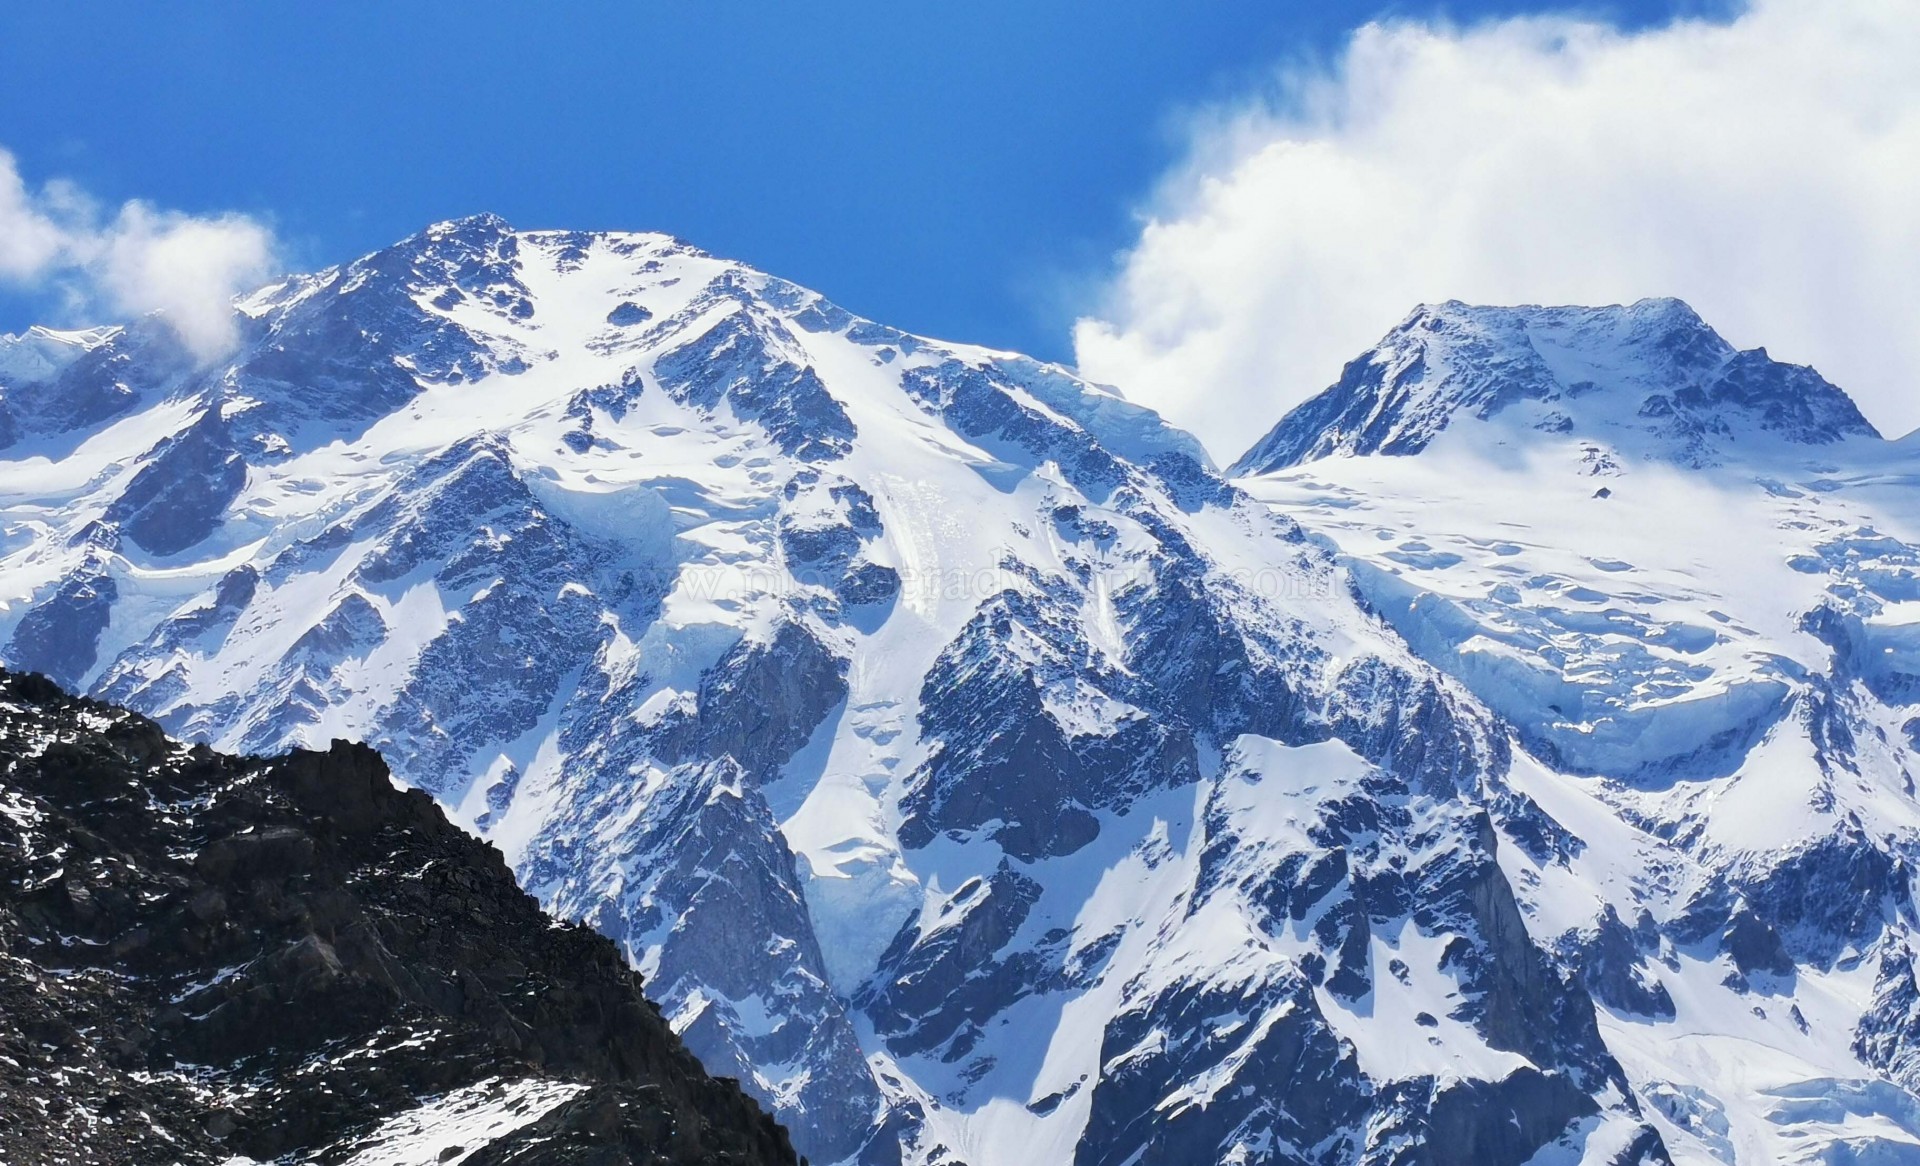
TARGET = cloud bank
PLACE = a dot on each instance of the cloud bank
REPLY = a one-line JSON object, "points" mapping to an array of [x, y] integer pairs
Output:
{"points": [[135, 260], [1766, 169]]}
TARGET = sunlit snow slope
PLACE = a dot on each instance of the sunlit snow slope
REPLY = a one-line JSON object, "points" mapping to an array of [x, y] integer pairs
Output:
{"points": [[981, 776], [1689, 578]]}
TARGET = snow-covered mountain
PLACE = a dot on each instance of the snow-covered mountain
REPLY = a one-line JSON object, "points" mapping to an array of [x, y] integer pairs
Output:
{"points": [[983, 777], [1689, 580]]}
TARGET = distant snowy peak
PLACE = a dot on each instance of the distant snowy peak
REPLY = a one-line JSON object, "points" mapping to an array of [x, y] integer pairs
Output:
{"points": [[1650, 379], [41, 352]]}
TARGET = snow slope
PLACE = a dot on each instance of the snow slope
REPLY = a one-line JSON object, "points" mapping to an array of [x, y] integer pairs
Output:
{"points": [[1685, 576]]}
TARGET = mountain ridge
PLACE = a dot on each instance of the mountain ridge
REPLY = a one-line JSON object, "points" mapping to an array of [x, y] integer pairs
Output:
{"points": [[981, 776], [295, 960], [1693, 392]]}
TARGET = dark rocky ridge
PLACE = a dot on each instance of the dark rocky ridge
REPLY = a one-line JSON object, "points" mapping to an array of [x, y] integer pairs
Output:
{"points": [[204, 956]]}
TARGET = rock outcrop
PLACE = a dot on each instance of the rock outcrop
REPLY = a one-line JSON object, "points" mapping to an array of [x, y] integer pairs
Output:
{"points": [[207, 958]]}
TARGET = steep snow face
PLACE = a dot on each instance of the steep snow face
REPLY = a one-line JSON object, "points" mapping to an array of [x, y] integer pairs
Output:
{"points": [[973, 771], [1686, 577]]}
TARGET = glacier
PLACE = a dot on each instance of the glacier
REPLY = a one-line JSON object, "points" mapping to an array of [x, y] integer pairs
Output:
{"points": [[1507, 761]]}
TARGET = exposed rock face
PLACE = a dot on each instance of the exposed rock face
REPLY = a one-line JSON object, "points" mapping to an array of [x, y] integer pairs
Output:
{"points": [[204, 956], [61, 635], [180, 496]]}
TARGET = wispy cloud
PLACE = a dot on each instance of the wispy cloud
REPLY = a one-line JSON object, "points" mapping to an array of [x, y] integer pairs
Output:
{"points": [[132, 260], [1763, 168]]}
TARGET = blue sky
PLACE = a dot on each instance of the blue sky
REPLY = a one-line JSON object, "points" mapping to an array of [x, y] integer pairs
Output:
{"points": [[967, 171]]}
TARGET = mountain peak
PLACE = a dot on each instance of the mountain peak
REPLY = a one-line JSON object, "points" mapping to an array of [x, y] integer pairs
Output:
{"points": [[1651, 377], [482, 221], [39, 352]]}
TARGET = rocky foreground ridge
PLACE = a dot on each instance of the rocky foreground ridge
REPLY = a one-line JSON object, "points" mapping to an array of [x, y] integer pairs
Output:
{"points": [[217, 959]]}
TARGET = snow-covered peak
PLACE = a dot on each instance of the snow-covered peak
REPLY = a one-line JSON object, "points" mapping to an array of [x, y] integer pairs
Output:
{"points": [[1651, 380], [561, 312], [594, 532], [39, 352]]}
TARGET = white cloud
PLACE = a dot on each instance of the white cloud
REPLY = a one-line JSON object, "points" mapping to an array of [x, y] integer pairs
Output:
{"points": [[139, 259], [1765, 169]]}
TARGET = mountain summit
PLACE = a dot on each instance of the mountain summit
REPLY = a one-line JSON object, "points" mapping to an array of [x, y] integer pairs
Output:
{"points": [[1652, 376]]}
